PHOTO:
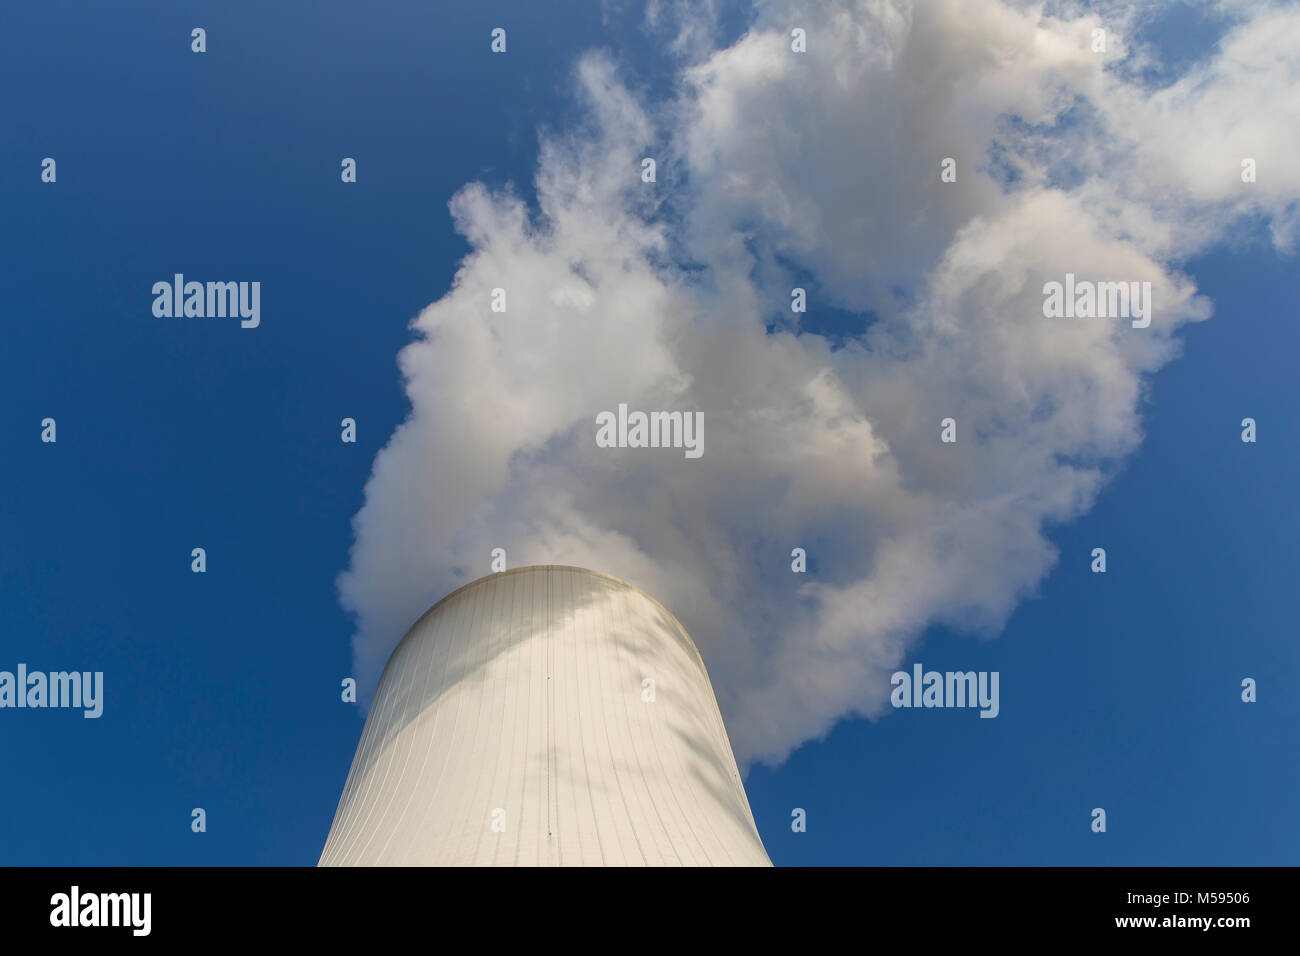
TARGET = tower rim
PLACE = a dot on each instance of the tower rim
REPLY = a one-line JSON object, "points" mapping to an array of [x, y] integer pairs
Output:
{"points": [[494, 575]]}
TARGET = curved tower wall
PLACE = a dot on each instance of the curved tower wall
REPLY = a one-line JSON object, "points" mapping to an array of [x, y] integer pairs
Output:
{"points": [[512, 727]]}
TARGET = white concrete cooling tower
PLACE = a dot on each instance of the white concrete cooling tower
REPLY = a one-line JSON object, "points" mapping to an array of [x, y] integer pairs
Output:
{"points": [[544, 716]]}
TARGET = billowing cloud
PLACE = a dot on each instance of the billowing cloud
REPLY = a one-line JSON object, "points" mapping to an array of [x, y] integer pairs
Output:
{"points": [[676, 296]]}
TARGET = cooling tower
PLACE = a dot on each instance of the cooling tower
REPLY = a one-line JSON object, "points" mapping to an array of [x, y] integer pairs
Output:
{"points": [[544, 716]]}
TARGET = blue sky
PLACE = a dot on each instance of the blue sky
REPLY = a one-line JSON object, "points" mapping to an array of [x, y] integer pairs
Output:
{"points": [[1118, 690]]}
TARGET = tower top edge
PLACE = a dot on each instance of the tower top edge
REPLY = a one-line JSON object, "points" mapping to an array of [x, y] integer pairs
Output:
{"points": [[496, 575]]}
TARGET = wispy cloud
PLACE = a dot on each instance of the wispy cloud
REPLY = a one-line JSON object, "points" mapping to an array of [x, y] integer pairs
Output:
{"points": [[660, 296]]}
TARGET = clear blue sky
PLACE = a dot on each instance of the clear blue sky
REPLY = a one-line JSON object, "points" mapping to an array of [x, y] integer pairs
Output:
{"points": [[1119, 691]]}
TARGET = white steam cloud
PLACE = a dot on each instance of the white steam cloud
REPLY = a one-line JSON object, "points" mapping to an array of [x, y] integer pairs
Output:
{"points": [[676, 296]]}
